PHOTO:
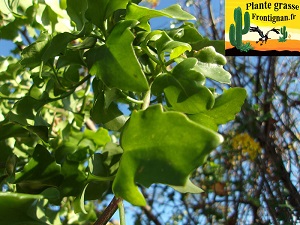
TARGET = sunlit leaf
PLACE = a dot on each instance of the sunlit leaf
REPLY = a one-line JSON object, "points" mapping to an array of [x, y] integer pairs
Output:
{"points": [[155, 153], [228, 105], [209, 55], [225, 109], [144, 14], [115, 63]]}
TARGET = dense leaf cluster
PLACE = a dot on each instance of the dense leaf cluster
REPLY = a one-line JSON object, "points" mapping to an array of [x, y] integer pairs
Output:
{"points": [[85, 62]]}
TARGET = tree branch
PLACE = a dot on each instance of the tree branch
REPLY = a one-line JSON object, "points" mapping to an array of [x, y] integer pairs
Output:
{"points": [[108, 212]]}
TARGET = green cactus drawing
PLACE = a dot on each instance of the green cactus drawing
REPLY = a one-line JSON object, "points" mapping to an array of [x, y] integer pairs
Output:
{"points": [[284, 34], [236, 32]]}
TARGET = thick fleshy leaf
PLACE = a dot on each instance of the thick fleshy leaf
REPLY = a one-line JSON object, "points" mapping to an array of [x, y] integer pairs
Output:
{"points": [[40, 172], [143, 14], [166, 44], [209, 55], [17, 208], [107, 113], [227, 105], [115, 63], [100, 137], [225, 108], [188, 69], [186, 33], [217, 44], [181, 99], [154, 152], [215, 72], [99, 10]]}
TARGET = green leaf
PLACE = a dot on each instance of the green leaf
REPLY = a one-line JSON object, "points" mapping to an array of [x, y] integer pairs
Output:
{"points": [[184, 90], [225, 108], [182, 99], [215, 72], [74, 178], [40, 172], [17, 208], [228, 105], [143, 14], [79, 203], [209, 55], [25, 111], [217, 44], [32, 54], [70, 58], [107, 114], [99, 10], [97, 187], [188, 69], [185, 33], [166, 44], [100, 137], [58, 45], [115, 63], [76, 10], [155, 153]]}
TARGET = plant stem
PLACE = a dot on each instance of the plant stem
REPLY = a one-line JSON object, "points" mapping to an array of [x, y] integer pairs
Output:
{"points": [[146, 99], [108, 212], [128, 98], [121, 213]]}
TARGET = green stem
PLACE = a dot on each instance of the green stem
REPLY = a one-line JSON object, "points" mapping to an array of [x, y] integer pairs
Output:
{"points": [[41, 69], [146, 100], [132, 99], [92, 177], [72, 89], [121, 212]]}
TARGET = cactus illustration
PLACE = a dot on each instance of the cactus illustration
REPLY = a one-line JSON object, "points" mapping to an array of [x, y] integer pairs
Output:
{"points": [[284, 34], [236, 32]]}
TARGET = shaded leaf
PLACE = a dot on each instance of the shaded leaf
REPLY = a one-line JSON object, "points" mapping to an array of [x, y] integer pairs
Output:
{"points": [[40, 172], [76, 10], [154, 152], [99, 10], [70, 58], [58, 45], [32, 54]]}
